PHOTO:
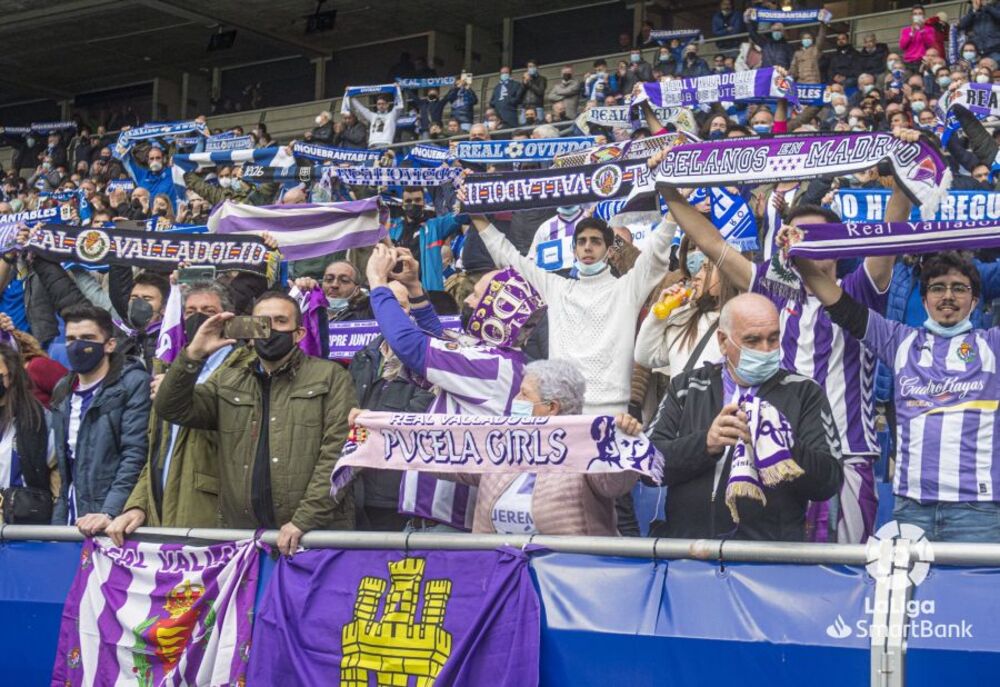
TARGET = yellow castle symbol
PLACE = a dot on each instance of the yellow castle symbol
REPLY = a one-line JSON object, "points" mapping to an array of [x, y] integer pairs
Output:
{"points": [[397, 647]]}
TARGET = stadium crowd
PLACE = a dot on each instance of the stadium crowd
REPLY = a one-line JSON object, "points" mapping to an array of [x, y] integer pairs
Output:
{"points": [[889, 359]]}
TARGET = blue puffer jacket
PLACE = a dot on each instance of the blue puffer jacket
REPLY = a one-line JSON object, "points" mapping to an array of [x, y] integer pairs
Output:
{"points": [[904, 281], [111, 443]]}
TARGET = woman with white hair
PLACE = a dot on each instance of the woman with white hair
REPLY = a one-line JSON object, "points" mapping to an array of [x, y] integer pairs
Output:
{"points": [[529, 503]]}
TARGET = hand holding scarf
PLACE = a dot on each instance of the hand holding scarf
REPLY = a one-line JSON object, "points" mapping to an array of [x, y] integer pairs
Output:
{"points": [[766, 461]]}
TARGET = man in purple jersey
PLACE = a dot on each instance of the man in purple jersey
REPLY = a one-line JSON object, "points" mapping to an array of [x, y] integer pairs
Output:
{"points": [[475, 373], [815, 347], [947, 393]]}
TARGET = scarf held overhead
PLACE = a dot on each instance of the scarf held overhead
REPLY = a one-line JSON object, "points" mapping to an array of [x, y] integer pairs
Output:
{"points": [[917, 166], [539, 188], [393, 176], [789, 17], [322, 153], [518, 151], [306, 230], [620, 116], [752, 84], [149, 250], [860, 239], [568, 444]]}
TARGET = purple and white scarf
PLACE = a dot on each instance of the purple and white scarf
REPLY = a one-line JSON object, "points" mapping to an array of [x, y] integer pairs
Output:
{"points": [[306, 230], [476, 444], [861, 239], [766, 461], [172, 338], [752, 84], [918, 167]]}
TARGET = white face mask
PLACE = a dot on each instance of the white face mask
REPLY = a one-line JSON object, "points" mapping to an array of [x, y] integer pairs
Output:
{"points": [[585, 270], [840, 110], [319, 121], [982, 78], [225, 182], [155, 165]]}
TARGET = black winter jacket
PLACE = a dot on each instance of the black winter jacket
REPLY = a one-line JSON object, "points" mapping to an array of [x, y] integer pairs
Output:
{"points": [[696, 506]]}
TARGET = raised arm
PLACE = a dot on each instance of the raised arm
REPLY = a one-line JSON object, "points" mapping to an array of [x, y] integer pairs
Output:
{"points": [[703, 233], [880, 267]]}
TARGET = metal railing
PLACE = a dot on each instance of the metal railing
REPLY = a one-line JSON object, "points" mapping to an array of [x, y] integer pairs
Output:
{"points": [[713, 550]]}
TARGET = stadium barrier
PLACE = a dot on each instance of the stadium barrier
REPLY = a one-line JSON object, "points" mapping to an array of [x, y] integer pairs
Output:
{"points": [[626, 611]]}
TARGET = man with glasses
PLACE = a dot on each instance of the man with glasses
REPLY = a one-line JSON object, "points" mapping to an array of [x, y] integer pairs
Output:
{"points": [[345, 299], [947, 394]]}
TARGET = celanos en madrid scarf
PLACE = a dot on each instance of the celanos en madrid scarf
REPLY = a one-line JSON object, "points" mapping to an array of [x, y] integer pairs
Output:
{"points": [[918, 166]]}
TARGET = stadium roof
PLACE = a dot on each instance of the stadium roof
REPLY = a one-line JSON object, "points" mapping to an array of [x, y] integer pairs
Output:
{"points": [[57, 48]]}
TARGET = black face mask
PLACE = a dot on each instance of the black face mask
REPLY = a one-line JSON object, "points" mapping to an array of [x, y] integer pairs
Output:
{"points": [[466, 317], [192, 323], [414, 213], [140, 313], [275, 347]]}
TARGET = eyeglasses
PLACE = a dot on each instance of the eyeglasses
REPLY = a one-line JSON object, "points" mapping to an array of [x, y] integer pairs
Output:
{"points": [[334, 279], [956, 289]]}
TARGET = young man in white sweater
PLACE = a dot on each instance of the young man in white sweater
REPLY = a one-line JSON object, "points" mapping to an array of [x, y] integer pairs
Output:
{"points": [[592, 319]]}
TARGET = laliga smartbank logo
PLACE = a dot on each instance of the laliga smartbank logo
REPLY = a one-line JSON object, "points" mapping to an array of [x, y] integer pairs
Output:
{"points": [[919, 621]]}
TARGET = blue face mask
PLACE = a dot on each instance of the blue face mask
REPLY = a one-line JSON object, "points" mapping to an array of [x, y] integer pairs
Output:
{"points": [[590, 270], [777, 35], [694, 262], [969, 56], [717, 134], [807, 42], [938, 329], [756, 367], [337, 303], [505, 77], [521, 408], [635, 58], [761, 128]]}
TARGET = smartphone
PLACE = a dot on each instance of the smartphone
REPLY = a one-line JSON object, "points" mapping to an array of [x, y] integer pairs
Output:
{"points": [[196, 275], [247, 327], [65, 213]]}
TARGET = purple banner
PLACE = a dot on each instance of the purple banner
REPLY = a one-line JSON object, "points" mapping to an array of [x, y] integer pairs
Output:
{"points": [[388, 618], [350, 336], [158, 614]]}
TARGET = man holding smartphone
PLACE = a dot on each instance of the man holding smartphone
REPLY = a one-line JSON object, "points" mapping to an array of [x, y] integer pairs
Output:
{"points": [[281, 419]]}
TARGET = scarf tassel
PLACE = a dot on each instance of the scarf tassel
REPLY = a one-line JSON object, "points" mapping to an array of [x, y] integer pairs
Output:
{"points": [[783, 471], [743, 489]]}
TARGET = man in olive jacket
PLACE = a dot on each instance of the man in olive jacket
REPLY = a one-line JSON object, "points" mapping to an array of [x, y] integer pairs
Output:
{"points": [[281, 419], [179, 485]]}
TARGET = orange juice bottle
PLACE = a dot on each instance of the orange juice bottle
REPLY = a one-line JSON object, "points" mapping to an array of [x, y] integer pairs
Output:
{"points": [[662, 309]]}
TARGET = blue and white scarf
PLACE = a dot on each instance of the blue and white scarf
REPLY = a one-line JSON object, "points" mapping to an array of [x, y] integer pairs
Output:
{"points": [[274, 159], [322, 153], [83, 207], [357, 91], [392, 176], [791, 17], [216, 144], [39, 128], [430, 82], [816, 94], [520, 151], [685, 36], [731, 215], [126, 185], [869, 204], [622, 117], [424, 154], [128, 138]]}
